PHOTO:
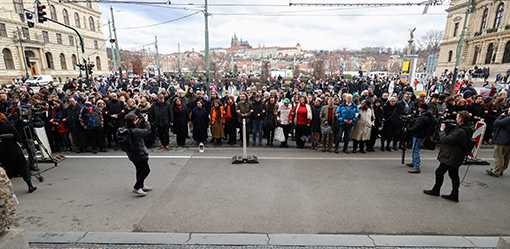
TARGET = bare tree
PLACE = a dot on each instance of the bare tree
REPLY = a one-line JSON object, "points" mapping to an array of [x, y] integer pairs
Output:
{"points": [[430, 42]]}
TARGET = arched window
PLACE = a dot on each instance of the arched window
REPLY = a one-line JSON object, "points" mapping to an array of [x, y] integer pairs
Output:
{"points": [[65, 14], [77, 20], [499, 15], [92, 24], [98, 63], [450, 56], [483, 23], [63, 63], [53, 13], [8, 60], [49, 60], [490, 51], [475, 55], [506, 54], [74, 60]]}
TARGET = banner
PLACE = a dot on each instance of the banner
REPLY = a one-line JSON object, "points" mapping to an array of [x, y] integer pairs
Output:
{"points": [[478, 134]]}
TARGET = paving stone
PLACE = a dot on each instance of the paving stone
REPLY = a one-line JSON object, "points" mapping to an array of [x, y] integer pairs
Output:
{"points": [[421, 240], [483, 241], [51, 237], [228, 239], [135, 238], [319, 240]]}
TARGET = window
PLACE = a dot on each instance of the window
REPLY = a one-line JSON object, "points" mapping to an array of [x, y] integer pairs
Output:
{"points": [[63, 63], [499, 15], [506, 54], [59, 39], [92, 24], [483, 23], [475, 55], [74, 60], [96, 45], [450, 56], [53, 13], [66, 17], [19, 8], [46, 37], [455, 29], [490, 51], [25, 33], [8, 60], [77, 22], [89, 4], [3, 30], [71, 40], [98, 63], [49, 60]]}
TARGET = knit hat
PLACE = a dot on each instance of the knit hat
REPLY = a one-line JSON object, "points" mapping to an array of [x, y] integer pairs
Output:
{"points": [[286, 101]]}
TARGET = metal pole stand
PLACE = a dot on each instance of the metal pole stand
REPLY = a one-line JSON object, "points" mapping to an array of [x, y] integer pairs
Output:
{"points": [[244, 158]]}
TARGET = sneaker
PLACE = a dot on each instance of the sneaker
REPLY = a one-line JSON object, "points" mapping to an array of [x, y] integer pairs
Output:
{"points": [[147, 188], [410, 165], [492, 173], [414, 171], [139, 192]]}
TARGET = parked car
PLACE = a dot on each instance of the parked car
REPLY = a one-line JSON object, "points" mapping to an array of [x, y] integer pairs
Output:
{"points": [[40, 81]]}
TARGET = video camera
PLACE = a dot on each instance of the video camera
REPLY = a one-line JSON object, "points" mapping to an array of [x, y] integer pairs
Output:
{"points": [[31, 115]]}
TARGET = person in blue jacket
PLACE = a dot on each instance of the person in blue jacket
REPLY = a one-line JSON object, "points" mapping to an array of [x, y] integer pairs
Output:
{"points": [[347, 114]]}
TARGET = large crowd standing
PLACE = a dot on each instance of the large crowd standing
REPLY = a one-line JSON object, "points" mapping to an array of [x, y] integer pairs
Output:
{"points": [[325, 115]]}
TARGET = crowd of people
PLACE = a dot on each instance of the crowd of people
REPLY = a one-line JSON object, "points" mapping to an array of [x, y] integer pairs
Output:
{"points": [[337, 114]]}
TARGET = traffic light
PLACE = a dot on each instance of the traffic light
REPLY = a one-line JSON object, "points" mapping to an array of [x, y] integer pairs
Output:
{"points": [[30, 19], [41, 14]]}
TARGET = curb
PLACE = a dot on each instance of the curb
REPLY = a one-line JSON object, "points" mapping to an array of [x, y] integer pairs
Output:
{"points": [[240, 239]]}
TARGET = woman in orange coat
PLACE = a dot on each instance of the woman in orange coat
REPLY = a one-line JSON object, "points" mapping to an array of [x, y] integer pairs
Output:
{"points": [[217, 121]]}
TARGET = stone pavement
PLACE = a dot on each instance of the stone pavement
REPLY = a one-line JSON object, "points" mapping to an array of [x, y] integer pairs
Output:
{"points": [[208, 240]]}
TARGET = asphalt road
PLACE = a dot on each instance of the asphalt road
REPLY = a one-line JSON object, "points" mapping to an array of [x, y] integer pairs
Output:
{"points": [[290, 191]]}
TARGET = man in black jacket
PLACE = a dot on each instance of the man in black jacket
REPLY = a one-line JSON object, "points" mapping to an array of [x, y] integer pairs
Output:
{"points": [[138, 153], [453, 147], [501, 140], [419, 131], [160, 117]]}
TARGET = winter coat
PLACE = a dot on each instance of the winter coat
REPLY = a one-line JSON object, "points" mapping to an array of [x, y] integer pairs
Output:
{"points": [[180, 124], [139, 151], [453, 146], [91, 117], [217, 122], [72, 114], [316, 119], [502, 130], [361, 131], [200, 121], [392, 124], [324, 116], [347, 112], [160, 114], [422, 125], [12, 159]]}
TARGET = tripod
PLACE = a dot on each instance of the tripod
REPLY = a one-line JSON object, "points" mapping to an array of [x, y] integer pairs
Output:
{"points": [[30, 141]]}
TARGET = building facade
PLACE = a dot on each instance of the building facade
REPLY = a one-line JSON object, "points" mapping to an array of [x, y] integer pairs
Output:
{"points": [[487, 38], [49, 48]]}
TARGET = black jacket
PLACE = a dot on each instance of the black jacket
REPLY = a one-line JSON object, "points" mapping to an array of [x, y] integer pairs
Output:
{"points": [[139, 151], [453, 146], [502, 130], [421, 125], [160, 114]]}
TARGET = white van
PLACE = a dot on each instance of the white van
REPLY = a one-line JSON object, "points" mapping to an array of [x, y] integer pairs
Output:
{"points": [[40, 81]]}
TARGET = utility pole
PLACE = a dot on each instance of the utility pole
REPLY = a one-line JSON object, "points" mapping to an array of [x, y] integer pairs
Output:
{"points": [[25, 63], [206, 52], [458, 52], [179, 57], [117, 51], [114, 54], [157, 55]]}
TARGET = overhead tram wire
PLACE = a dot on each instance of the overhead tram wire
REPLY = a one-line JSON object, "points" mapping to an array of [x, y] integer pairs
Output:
{"points": [[161, 23]]}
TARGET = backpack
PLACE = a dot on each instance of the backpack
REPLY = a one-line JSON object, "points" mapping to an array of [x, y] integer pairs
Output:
{"points": [[125, 139]]}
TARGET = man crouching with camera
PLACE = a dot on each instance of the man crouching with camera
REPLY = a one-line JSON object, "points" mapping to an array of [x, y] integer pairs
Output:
{"points": [[453, 146]]}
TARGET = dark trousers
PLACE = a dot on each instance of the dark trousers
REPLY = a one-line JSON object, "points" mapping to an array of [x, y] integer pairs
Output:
{"points": [[270, 135], [142, 171], [344, 134], [164, 135], [230, 132], [111, 134], [95, 138], [286, 130], [453, 172], [374, 133], [301, 131], [181, 139], [78, 139]]}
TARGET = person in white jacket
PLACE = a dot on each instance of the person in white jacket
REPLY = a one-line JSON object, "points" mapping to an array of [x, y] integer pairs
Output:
{"points": [[363, 127]]}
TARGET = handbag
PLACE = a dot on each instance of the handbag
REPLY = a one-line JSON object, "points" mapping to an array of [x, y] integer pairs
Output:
{"points": [[278, 134]]}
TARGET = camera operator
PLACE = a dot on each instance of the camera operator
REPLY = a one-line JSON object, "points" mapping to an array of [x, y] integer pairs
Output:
{"points": [[138, 154], [13, 159], [453, 147], [501, 140], [422, 127]]}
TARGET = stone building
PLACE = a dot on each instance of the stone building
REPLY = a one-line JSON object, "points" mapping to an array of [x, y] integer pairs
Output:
{"points": [[49, 48], [487, 38]]}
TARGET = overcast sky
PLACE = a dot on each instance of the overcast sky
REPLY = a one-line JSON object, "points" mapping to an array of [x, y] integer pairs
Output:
{"points": [[313, 27]]}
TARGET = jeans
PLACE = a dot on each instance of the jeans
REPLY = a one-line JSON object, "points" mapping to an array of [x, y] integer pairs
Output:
{"points": [[416, 152], [344, 134], [257, 131], [142, 171]]}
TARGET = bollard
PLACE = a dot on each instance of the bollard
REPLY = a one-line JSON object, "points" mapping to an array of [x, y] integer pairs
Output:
{"points": [[244, 158]]}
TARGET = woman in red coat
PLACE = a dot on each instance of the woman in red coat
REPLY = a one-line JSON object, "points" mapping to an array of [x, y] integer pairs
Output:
{"points": [[301, 117]]}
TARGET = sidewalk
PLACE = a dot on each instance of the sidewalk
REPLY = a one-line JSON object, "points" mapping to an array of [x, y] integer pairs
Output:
{"points": [[85, 240]]}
